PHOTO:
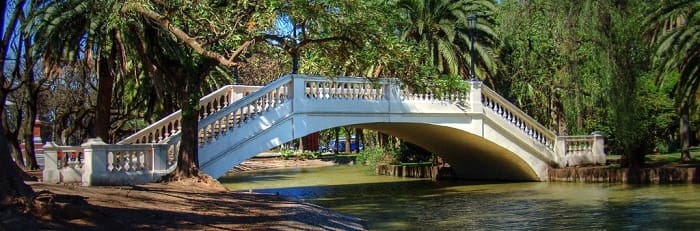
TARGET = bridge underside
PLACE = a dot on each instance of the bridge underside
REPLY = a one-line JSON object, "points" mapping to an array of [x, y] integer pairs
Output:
{"points": [[470, 156]]}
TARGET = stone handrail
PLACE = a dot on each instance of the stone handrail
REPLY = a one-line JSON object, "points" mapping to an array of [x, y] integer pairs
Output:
{"points": [[63, 163], [577, 150], [517, 117], [245, 109], [434, 94], [163, 129], [345, 88], [98, 163]]}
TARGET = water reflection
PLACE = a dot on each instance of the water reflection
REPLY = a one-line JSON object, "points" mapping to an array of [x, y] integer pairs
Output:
{"points": [[390, 203]]}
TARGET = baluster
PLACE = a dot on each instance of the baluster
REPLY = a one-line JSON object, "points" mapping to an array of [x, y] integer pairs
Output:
{"points": [[239, 117], [202, 135], [354, 91], [323, 90], [275, 98], [223, 125], [142, 160], [126, 158], [347, 91], [135, 161], [367, 91], [119, 161], [248, 113]]}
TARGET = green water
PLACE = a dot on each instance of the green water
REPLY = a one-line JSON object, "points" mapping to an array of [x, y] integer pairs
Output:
{"points": [[392, 203]]}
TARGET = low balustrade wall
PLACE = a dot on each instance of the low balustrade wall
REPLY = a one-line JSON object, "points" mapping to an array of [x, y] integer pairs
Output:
{"points": [[98, 163], [580, 150]]}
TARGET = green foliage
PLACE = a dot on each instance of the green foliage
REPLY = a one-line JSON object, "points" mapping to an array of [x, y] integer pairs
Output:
{"points": [[555, 53], [286, 153], [371, 156], [411, 153], [308, 155], [440, 27]]}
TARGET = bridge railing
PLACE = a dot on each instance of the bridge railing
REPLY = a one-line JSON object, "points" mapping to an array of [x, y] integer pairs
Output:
{"points": [[436, 94], [245, 109], [163, 129], [63, 163], [319, 87], [98, 163], [581, 150], [518, 118]]}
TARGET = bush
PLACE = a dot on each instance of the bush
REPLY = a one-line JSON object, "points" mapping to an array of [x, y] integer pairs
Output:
{"points": [[370, 156], [286, 153], [411, 153], [308, 155]]}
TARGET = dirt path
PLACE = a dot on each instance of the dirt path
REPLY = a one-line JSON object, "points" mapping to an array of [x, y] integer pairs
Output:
{"points": [[277, 163], [175, 206]]}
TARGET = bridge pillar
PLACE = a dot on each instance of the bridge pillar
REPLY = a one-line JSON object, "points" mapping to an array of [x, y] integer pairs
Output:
{"points": [[475, 97], [391, 93]]}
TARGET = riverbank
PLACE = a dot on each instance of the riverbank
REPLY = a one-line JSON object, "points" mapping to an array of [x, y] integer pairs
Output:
{"points": [[255, 164], [173, 206], [669, 173]]}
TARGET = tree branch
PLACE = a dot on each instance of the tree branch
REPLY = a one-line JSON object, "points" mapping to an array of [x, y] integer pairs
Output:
{"points": [[187, 39], [306, 42]]}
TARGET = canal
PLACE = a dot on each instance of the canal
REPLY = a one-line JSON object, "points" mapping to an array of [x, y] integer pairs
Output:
{"points": [[392, 203]]}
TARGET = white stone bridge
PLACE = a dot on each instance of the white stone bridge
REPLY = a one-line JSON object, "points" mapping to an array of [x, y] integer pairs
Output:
{"points": [[480, 134]]}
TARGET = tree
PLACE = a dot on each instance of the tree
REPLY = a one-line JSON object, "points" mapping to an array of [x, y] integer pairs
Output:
{"points": [[441, 27], [13, 190], [176, 44], [673, 27]]}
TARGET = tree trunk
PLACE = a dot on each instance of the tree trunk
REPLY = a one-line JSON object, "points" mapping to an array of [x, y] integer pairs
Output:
{"points": [[684, 127], [300, 147], [29, 152], [15, 150], [337, 140], [11, 137], [348, 139], [28, 125], [11, 184], [188, 158], [104, 100], [558, 114], [359, 138]]}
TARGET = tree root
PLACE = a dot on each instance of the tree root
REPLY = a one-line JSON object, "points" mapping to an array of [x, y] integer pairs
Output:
{"points": [[201, 180]]}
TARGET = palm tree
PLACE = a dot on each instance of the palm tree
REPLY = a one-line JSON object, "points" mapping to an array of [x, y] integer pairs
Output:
{"points": [[176, 46], [674, 28], [441, 27]]}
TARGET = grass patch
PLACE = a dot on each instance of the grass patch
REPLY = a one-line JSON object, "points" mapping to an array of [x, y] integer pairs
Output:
{"points": [[671, 157], [661, 158]]}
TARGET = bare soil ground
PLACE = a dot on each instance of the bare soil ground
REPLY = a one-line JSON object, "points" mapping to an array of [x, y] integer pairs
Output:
{"points": [[172, 206], [255, 164]]}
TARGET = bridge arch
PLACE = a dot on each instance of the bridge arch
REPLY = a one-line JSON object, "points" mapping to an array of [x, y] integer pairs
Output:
{"points": [[482, 135], [448, 135]]}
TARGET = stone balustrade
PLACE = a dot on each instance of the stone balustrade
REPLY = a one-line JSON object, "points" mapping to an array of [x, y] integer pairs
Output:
{"points": [[242, 111], [98, 163], [513, 115], [345, 88], [581, 150], [166, 128]]}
